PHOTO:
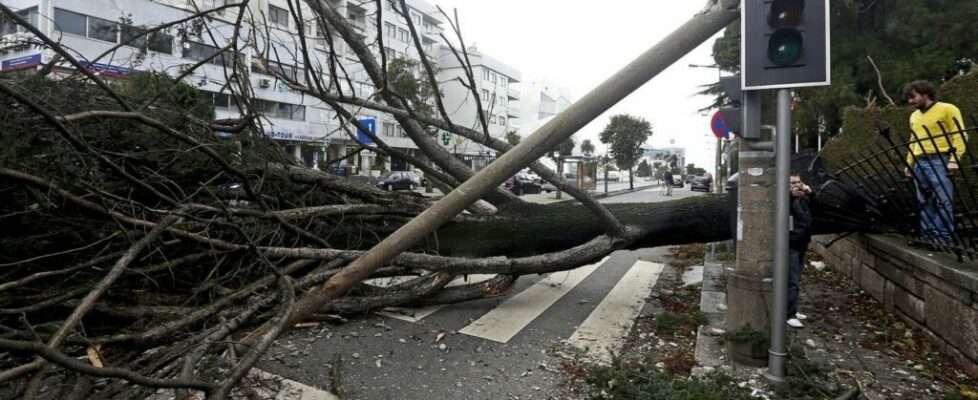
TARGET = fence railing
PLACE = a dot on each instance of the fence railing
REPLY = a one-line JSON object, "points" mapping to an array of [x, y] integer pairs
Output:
{"points": [[906, 187]]}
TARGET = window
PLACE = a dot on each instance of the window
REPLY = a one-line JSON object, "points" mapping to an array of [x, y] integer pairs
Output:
{"points": [[485, 74], [200, 51], [9, 26], [157, 41], [103, 29], [390, 30], [391, 53], [485, 95], [69, 22], [400, 131], [278, 16], [388, 129], [416, 18], [212, 4], [402, 34], [284, 110]]}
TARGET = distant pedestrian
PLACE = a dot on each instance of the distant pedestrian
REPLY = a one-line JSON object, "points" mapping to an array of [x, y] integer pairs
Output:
{"points": [[667, 177], [937, 145], [798, 238]]}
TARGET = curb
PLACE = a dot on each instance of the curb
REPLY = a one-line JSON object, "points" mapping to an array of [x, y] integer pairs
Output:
{"points": [[709, 352]]}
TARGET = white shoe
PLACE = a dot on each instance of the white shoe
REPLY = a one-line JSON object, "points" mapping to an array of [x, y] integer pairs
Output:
{"points": [[801, 317], [795, 323]]}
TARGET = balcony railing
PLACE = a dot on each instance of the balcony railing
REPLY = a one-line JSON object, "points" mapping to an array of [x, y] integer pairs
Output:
{"points": [[513, 94]]}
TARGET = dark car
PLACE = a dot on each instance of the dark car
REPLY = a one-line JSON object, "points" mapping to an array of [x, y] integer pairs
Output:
{"points": [[701, 183], [522, 183], [689, 178], [398, 180]]}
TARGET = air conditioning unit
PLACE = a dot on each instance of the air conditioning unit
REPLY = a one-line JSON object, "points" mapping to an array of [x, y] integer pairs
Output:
{"points": [[264, 83]]}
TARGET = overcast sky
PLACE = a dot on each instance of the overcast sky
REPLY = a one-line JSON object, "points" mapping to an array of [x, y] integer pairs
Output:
{"points": [[578, 45]]}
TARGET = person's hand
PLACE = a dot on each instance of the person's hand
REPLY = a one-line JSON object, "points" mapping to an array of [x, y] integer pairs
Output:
{"points": [[906, 171], [805, 189], [952, 166]]}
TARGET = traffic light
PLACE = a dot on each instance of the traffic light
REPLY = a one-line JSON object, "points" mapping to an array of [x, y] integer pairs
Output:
{"points": [[784, 43]]}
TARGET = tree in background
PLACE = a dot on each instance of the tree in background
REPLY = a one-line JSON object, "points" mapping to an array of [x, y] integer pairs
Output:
{"points": [[692, 169], [513, 138], [870, 61], [587, 147], [625, 135], [644, 169]]}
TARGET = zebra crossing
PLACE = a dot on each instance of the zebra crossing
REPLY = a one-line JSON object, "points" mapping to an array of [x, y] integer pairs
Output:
{"points": [[602, 331]]}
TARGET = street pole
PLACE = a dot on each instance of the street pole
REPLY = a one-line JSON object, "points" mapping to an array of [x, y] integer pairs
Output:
{"points": [[777, 355], [716, 176]]}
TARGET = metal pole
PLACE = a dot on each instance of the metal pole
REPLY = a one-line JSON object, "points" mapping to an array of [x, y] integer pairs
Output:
{"points": [[777, 355], [716, 175]]}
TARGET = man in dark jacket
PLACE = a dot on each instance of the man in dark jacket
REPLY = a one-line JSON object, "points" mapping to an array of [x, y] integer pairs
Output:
{"points": [[798, 238], [667, 177]]}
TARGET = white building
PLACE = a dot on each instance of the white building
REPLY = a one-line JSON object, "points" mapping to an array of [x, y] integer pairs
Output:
{"points": [[494, 83], [304, 125]]}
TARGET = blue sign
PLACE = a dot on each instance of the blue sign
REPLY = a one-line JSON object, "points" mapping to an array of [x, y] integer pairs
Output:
{"points": [[106, 69], [371, 125], [24, 62], [720, 126]]}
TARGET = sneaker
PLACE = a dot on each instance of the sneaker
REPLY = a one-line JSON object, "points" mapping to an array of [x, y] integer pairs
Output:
{"points": [[801, 317], [795, 323]]}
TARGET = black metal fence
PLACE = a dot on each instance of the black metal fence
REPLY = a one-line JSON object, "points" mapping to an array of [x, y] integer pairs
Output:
{"points": [[906, 187]]}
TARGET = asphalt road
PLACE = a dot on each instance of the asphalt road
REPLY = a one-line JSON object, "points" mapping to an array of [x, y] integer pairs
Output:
{"points": [[502, 348]]}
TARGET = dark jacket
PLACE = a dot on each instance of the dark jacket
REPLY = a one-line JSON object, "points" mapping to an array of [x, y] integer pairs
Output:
{"points": [[801, 222], [667, 177]]}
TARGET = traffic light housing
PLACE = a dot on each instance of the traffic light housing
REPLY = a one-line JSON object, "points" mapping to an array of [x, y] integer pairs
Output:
{"points": [[784, 43]]}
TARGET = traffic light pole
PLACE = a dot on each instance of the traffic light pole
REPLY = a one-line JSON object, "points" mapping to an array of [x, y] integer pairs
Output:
{"points": [[777, 354]]}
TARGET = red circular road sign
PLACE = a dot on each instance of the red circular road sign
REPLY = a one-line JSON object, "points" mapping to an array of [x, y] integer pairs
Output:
{"points": [[720, 126]]}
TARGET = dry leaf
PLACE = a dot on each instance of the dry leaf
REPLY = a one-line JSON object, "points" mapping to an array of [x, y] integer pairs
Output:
{"points": [[94, 357], [441, 335]]}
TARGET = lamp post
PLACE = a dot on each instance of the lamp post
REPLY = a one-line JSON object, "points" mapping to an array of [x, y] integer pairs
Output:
{"points": [[719, 147]]}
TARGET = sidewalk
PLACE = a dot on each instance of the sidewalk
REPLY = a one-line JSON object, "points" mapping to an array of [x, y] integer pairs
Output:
{"points": [[847, 334]]}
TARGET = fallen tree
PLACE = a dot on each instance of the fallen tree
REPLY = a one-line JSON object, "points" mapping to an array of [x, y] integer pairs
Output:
{"points": [[136, 238]]}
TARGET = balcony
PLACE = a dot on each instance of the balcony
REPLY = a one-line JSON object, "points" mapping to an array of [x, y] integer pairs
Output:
{"points": [[512, 112], [513, 94]]}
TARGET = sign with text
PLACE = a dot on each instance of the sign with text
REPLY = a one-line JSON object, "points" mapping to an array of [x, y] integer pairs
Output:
{"points": [[19, 63]]}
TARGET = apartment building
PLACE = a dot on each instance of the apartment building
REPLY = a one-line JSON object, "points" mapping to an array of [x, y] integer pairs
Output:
{"points": [[304, 125], [494, 90]]}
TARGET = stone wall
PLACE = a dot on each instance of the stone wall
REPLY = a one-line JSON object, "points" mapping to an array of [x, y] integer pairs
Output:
{"points": [[932, 292]]}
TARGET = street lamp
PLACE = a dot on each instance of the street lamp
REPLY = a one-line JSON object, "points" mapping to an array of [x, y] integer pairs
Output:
{"points": [[719, 150]]}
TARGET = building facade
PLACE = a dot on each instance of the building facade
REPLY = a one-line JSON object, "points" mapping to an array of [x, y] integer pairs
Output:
{"points": [[494, 90], [304, 125]]}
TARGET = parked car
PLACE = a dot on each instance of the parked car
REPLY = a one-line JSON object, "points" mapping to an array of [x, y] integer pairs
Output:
{"points": [[701, 183], [398, 180], [522, 183], [689, 178], [613, 176]]}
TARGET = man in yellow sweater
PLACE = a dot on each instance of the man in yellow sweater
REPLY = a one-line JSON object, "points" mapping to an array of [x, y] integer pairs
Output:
{"points": [[936, 146]]}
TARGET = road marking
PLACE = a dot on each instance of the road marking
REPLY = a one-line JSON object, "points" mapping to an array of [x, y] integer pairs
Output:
{"points": [[268, 386], [604, 331], [416, 314], [505, 321]]}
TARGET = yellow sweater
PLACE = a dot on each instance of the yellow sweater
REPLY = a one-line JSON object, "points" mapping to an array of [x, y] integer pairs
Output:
{"points": [[937, 115]]}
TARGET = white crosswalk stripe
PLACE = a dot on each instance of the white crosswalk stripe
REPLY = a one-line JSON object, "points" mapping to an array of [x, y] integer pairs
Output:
{"points": [[605, 329], [505, 321]]}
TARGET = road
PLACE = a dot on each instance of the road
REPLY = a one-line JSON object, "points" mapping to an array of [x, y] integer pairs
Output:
{"points": [[501, 348]]}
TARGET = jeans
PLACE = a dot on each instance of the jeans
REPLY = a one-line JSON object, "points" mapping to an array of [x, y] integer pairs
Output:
{"points": [[934, 195], [796, 259]]}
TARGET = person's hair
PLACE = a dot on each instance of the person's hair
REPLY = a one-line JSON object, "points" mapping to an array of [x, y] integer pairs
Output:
{"points": [[920, 87], [794, 173]]}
